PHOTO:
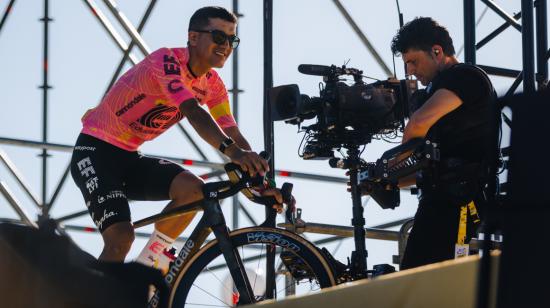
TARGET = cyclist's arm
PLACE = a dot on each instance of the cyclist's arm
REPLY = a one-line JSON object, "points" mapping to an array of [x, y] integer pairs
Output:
{"points": [[203, 123], [235, 133], [207, 128]]}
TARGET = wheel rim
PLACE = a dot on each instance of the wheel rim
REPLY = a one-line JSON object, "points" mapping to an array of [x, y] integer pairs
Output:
{"points": [[213, 287]]}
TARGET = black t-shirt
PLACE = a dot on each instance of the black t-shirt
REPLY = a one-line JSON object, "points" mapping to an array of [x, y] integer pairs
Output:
{"points": [[463, 132]]}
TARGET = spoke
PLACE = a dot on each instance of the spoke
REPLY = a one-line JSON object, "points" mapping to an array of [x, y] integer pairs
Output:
{"points": [[279, 268], [257, 267], [212, 295], [218, 279]]}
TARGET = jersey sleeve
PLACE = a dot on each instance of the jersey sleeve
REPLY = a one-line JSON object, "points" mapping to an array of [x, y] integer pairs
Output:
{"points": [[166, 69], [218, 103]]}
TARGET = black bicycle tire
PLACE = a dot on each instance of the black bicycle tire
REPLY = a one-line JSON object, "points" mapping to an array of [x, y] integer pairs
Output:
{"points": [[308, 252]]}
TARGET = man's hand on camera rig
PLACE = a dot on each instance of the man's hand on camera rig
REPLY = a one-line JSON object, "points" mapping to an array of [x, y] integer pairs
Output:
{"points": [[379, 180]]}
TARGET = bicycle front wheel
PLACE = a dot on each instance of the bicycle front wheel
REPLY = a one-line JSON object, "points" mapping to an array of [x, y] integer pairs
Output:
{"points": [[205, 280]]}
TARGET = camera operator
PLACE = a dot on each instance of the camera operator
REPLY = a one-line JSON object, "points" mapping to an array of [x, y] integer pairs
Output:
{"points": [[455, 115]]}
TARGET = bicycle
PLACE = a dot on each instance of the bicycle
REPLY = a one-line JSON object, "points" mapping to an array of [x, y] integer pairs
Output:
{"points": [[303, 260], [194, 262]]}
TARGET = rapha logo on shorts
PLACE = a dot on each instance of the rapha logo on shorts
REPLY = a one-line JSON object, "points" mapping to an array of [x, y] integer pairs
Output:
{"points": [[99, 223], [165, 162]]}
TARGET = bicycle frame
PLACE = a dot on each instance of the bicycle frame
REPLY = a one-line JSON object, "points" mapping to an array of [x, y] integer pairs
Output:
{"points": [[212, 220]]}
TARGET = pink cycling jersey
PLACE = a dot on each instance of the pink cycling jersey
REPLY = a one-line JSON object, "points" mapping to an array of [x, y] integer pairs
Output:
{"points": [[145, 101]]}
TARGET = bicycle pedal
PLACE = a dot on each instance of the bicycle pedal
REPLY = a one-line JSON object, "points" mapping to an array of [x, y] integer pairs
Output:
{"points": [[296, 266]]}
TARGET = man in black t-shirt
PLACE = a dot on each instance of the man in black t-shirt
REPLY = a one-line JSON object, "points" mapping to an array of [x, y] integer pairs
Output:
{"points": [[455, 115]]}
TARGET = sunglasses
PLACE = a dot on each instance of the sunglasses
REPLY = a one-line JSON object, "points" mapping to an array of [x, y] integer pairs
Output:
{"points": [[219, 37]]}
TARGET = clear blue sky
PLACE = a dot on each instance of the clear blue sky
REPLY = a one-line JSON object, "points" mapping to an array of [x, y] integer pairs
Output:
{"points": [[83, 59]]}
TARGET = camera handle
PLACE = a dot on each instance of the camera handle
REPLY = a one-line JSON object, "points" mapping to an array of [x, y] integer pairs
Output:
{"points": [[359, 256]]}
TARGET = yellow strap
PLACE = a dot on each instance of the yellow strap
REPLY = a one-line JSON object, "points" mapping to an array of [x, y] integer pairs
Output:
{"points": [[462, 225], [473, 212]]}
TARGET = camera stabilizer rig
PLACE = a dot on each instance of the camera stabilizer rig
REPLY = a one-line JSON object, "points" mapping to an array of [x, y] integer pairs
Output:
{"points": [[380, 179], [347, 116]]}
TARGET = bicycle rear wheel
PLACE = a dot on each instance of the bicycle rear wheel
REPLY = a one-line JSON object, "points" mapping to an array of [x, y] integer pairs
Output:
{"points": [[205, 279]]}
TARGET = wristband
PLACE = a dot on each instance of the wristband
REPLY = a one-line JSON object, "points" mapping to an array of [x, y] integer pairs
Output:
{"points": [[227, 142]]}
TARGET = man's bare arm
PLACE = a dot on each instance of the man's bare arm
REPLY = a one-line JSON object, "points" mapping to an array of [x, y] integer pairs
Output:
{"points": [[202, 122], [207, 128], [235, 133], [442, 102]]}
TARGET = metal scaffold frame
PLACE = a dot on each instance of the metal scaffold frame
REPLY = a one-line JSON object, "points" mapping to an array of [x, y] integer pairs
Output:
{"points": [[533, 76], [45, 202]]}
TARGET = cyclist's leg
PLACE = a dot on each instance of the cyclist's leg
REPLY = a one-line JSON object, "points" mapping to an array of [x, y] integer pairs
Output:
{"points": [[97, 168], [185, 188], [118, 239], [157, 179]]}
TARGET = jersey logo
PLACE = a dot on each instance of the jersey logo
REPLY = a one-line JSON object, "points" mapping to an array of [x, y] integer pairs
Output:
{"points": [[131, 104], [161, 117], [172, 88]]}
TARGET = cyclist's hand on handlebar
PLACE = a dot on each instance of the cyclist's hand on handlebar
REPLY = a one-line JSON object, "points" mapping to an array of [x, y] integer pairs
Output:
{"points": [[249, 161], [276, 193]]}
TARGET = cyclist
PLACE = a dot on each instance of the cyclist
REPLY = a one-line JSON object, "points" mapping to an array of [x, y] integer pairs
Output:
{"points": [[167, 86]]}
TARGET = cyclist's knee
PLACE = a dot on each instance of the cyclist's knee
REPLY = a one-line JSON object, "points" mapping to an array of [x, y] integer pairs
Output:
{"points": [[118, 238], [186, 187]]}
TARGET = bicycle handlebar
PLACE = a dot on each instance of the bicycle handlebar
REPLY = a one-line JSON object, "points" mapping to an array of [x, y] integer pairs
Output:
{"points": [[242, 181], [238, 181]]}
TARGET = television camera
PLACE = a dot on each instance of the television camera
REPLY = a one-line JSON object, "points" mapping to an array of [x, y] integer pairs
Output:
{"points": [[347, 115]]}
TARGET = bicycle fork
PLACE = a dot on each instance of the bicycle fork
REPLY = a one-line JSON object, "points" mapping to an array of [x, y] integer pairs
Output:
{"points": [[230, 254]]}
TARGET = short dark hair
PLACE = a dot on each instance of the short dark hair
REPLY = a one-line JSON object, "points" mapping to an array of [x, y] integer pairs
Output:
{"points": [[422, 33], [200, 18]]}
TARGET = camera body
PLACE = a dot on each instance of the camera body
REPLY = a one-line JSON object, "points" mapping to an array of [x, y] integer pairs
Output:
{"points": [[346, 114]]}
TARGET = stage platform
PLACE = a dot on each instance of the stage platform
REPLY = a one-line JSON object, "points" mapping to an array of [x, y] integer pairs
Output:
{"points": [[447, 284]]}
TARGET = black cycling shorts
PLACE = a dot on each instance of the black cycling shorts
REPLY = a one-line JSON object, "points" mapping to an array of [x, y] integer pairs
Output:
{"points": [[108, 176]]}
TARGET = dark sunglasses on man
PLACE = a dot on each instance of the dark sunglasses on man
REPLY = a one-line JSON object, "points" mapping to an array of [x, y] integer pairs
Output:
{"points": [[219, 37]]}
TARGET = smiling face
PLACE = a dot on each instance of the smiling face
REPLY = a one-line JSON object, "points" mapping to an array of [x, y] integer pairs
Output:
{"points": [[422, 64], [207, 53]]}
